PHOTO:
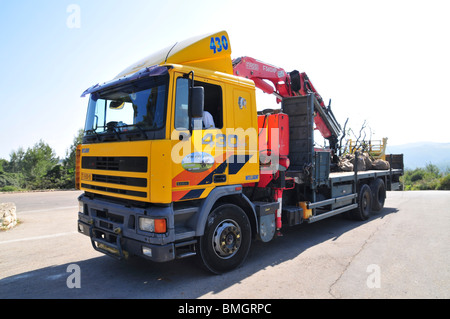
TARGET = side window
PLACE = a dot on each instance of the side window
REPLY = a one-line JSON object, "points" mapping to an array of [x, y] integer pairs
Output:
{"points": [[181, 104], [213, 115], [213, 104]]}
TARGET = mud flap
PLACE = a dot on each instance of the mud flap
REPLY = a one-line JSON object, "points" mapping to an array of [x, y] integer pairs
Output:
{"points": [[266, 219]]}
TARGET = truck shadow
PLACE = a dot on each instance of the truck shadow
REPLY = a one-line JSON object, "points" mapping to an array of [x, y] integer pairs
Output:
{"points": [[105, 277]]}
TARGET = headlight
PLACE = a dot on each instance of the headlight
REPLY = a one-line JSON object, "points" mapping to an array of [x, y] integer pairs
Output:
{"points": [[147, 224], [81, 207], [153, 225]]}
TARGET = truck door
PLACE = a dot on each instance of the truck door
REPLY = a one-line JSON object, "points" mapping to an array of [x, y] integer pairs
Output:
{"points": [[243, 164], [198, 149]]}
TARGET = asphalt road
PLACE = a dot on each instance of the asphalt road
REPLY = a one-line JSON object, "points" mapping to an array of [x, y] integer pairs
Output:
{"points": [[401, 252]]}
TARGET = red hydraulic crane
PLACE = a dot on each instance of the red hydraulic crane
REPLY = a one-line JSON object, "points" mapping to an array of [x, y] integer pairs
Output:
{"points": [[287, 84]]}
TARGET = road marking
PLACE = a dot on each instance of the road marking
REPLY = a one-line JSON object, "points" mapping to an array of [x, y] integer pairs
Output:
{"points": [[45, 209], [55, 277], [37, 237]]}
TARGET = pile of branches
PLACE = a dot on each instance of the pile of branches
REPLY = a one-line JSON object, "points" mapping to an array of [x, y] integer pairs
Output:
{"points": [[365, 162]]}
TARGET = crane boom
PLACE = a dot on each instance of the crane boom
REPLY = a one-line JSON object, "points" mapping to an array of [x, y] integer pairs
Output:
{"points": [[286, 84]]}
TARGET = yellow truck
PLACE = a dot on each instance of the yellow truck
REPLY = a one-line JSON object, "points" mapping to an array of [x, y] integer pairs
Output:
{"points": [[176, 161]]}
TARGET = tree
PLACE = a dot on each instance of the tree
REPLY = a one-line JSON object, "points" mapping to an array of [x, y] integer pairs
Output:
{"points": [[15, 163], [63, 175], [30, 167], [8, 181], [432, 171], [39, 168], [36, 162], [69, 161]]}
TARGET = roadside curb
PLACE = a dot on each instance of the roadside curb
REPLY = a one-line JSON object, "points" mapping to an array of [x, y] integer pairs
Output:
{"points": [[40, 191]]}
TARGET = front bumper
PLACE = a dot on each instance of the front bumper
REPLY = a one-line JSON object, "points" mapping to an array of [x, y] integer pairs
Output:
{"points": [[117, 246], [113, 230]]}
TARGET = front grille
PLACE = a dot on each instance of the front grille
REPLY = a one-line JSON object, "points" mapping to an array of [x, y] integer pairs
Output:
{"points": [[114, 184], [130, 181], [104, 214], [126, 164], [115, 190]]}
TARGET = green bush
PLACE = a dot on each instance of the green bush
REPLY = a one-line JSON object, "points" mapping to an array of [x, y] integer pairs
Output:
{"points": [[39, 168], [428, 178], [417, 175], [445, 182], [9, 189]]}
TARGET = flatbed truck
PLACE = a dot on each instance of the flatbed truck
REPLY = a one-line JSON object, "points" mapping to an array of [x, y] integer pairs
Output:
{"points": [[160, 185]]}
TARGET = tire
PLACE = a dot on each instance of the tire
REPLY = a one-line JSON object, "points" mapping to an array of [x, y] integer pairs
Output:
{"points": [[378, 190], [226, 241], [362, 212]]}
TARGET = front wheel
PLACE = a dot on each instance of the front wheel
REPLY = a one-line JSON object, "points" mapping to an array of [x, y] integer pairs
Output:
{"points": [[226, 241]]}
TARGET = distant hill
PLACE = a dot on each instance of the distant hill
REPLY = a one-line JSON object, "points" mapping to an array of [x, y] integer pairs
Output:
{"points": [[422, 153]]}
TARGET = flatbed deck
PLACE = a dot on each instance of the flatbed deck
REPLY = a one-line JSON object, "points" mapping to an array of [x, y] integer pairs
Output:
{"points": [[350, 176]]}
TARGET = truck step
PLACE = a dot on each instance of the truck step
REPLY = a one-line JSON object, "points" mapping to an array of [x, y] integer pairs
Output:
{"points": [[185, 249], [332, 213], [187, 254], [184, 233]]}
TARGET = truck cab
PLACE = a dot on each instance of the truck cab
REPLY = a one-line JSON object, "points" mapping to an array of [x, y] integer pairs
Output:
{"points": [[150, 169]]}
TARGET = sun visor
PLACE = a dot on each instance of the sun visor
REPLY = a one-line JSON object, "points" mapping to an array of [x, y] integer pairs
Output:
{"points": [[209, 51], [154, 70]]}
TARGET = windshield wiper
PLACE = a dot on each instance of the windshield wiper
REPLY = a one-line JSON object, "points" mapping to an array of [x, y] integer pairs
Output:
{"points": [[112, 126], [141, 130], [95, 133], [132, 126]]}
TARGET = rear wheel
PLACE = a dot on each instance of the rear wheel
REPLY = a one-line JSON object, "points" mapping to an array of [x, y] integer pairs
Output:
{"points": [[362, 212], [378, 190], [226, 241]]}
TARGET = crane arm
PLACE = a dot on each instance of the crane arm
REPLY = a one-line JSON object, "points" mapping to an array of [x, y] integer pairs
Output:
{"points": [[287, 84], [258, 72]]}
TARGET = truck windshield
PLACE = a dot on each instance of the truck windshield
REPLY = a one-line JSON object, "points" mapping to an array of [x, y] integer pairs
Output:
{"points": [[131, 111]]}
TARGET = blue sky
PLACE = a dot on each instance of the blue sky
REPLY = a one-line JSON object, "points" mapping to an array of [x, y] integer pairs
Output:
{"points": [[386, 62]]}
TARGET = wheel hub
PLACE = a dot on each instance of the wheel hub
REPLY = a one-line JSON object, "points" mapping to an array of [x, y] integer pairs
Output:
{"points": [[227, 239]]}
